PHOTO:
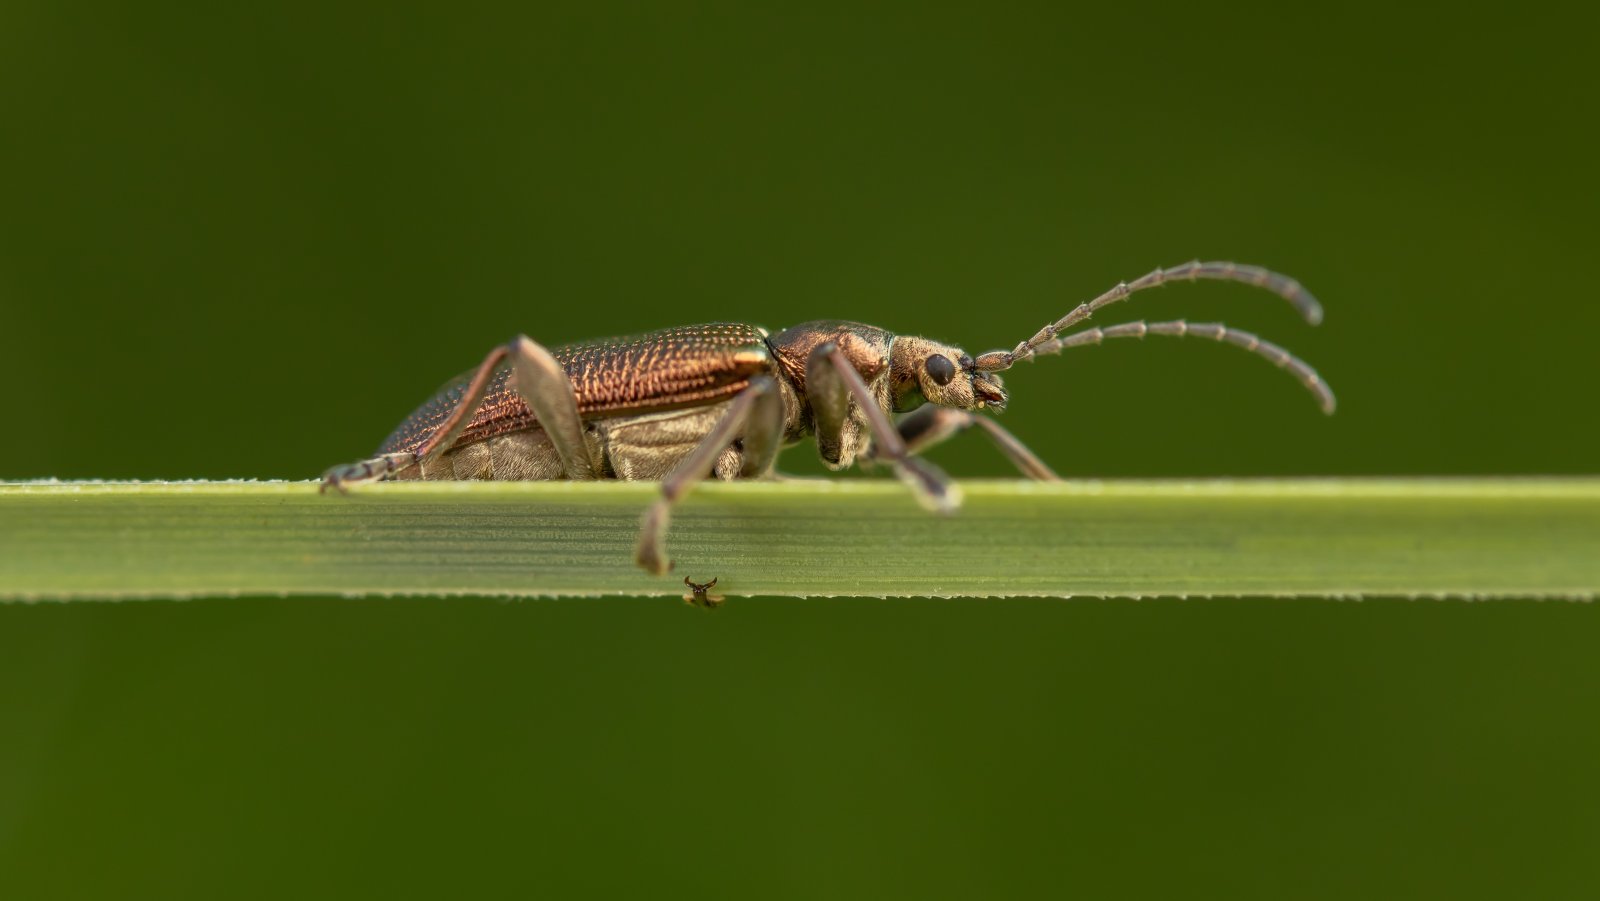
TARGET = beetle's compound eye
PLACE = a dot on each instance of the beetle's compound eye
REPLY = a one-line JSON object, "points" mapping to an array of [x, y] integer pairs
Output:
{"points": [[940, 369]]}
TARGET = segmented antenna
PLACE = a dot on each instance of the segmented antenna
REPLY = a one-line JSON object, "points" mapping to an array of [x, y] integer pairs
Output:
{"points": [[1281, 285], [1216, 331]]}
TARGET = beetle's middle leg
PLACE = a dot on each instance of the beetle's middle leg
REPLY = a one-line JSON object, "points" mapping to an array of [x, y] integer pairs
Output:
{"points": [[932, 424], [756, 414]]}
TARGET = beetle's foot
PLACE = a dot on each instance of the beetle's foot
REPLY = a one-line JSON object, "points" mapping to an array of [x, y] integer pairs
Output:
{"points": [[335, 479], [651, 555], [373, 470], [699, 595], [652, 561], [933, 488]]}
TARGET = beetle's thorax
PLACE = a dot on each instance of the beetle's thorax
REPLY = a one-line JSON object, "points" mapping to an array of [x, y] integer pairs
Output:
{"points": [[865, 346]]}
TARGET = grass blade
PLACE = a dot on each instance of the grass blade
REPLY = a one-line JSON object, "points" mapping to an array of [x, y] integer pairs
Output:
{"points": [[1476, 538]]}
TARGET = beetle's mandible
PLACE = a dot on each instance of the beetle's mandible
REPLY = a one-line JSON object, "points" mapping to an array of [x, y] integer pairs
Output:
{"points": [[683, 404]]}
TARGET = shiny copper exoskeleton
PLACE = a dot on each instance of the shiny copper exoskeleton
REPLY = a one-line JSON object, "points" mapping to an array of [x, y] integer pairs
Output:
{"points": [[681, 404]]}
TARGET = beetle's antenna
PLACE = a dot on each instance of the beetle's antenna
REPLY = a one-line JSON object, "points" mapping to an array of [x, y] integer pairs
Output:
{"points": [[1281, 285], [1216, 331]]}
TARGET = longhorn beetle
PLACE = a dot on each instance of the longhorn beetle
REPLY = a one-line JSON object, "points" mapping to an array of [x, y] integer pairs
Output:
{"points": [[681, 404]]}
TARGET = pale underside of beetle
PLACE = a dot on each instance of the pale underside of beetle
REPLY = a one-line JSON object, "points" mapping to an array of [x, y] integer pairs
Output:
{"points": [[720, 400]]}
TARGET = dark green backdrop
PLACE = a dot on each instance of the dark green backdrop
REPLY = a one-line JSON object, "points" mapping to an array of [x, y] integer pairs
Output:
{"points": [[239, 241]]}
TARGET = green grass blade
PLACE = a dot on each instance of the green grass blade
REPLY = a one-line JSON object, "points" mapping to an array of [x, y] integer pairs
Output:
{"points": [[1332, 538]]}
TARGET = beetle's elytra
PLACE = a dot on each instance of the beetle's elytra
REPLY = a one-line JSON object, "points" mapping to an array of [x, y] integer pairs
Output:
{"points": [[682, 404]]}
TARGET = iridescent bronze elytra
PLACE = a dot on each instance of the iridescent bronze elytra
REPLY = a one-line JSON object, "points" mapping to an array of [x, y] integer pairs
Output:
{"points": [[720, 400]]}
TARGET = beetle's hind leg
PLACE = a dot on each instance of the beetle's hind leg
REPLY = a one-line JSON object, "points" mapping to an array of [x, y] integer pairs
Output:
{"points": [[932, 424], [756, 414], [544, 387]]}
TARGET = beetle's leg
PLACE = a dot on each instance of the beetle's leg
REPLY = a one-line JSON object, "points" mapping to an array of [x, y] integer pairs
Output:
{"points": [[758, 407], [932, 424], [829, 397], [831, 384], [379, 467], [763, 434], [544, 385], [545, 388]]}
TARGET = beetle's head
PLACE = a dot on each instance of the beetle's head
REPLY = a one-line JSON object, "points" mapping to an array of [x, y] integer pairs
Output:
{"points": [[927, 371]]}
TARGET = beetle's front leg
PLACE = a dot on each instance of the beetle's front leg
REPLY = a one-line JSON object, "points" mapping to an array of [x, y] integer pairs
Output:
{"points": [[831, 384], [756, 414], [931, 424]]}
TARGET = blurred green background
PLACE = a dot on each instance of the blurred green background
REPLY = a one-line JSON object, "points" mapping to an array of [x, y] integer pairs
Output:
{"points": [[242, 241]]}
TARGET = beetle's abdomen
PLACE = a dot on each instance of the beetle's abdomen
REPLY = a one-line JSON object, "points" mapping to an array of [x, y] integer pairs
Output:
{"points": [[665, 370]]}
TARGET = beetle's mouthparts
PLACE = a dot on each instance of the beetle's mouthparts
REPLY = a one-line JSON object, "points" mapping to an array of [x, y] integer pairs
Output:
{"points": [[989, 392]]}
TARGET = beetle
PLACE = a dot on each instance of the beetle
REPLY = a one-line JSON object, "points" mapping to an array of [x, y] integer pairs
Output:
{"points": [[682, 404]]}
